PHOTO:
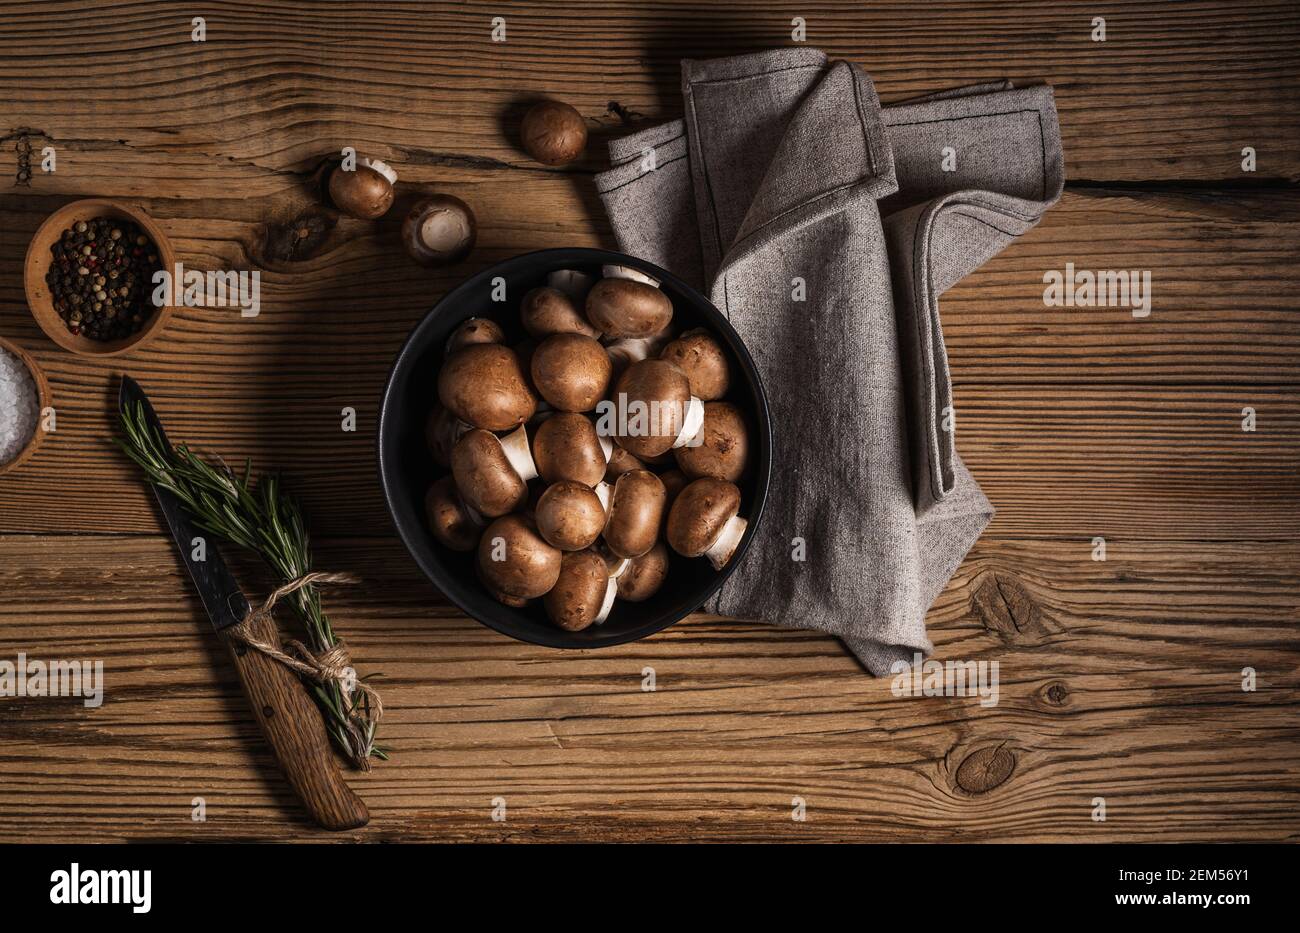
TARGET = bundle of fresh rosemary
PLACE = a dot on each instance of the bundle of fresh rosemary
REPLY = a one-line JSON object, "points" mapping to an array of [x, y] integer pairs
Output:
{"points": [[259, 517]]}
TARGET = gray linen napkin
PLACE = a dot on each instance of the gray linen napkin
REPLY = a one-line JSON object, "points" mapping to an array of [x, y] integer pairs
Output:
{"points": [[786, 179]]}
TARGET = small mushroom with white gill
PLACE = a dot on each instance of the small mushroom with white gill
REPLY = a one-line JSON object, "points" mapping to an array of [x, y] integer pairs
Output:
{"points": [[545, 311], [453, 523], [721, 447], [570, 515], [571, 372], [636, 511], [584, 593], [485, 385], [698, 354], [657, 411], [644, 575], [439, 230], [566, 446], [491, 472], [704, 521], [515, 561]]}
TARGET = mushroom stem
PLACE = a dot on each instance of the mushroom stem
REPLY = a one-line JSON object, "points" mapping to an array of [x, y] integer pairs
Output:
{"points": [[603, 493], [627, 272], [573, 283], [611, 590], [724, 545], [606, 446], [515, 445], [692, 425]]}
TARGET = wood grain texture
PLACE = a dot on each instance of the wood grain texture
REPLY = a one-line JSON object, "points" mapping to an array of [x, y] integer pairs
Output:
{"points": [[1119, 679]]}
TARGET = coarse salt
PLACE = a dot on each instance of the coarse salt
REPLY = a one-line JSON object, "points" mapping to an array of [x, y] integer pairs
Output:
{"points": [[18, 406]]}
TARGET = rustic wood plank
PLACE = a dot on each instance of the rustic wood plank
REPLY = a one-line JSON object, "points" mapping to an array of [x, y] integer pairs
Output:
{"points": [[1123, 681], [1175, 91]]}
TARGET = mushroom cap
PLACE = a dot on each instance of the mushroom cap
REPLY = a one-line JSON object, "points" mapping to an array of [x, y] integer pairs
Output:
{"points": [[514, 602], [620, 461], [570, 516], [698, 354], [448, 518], [553, 133], [627, 308], [442, 430], [439, 229], [363, 192], [636, 511], [486, 480], [475, 330], [646, 574], [545, 311], [515, 560], [484, 384], [571, 372], [566, 446], [699, 513], [654, 395], [723, 451], [576, 600]]}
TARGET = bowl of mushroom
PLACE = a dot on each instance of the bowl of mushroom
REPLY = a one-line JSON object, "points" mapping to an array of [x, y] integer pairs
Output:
{"points": [[575, 447]]}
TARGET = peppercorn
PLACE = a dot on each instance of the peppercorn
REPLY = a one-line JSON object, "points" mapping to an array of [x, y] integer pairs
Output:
{"points": [[92, 278]]}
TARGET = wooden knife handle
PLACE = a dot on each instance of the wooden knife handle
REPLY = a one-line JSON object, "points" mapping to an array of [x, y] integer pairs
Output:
{"points": [[292, 725]]}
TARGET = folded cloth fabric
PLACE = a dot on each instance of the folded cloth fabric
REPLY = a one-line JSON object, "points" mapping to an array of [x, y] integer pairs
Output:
{"points": [[825, 228]]}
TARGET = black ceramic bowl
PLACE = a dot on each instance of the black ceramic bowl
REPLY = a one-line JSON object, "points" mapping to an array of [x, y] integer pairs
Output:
{"points": [[406, 469]]}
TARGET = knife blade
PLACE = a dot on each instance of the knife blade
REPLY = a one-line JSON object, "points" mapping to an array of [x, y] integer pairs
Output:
{"points": [[284, 710]]}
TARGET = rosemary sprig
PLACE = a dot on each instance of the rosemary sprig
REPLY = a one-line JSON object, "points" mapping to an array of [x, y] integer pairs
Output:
{"points": [[259, 517]]}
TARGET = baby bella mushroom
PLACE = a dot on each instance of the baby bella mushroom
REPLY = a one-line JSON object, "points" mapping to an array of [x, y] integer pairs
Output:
{"points": [[475, 330], [515, 561], [644, 575], [720, 449], [553, 133], [703, 521], [698, 354], [584, 593], [653, 409], [485, 385], [491, 472], [571, 372], [366, 192], [452, 522], [636, 511], [545, 311], [566, 446], [570, 515], [439, 230], [620, 307]]}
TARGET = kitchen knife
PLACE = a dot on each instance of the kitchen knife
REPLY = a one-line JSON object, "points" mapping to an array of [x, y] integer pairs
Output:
{"points": [[284, 710]]}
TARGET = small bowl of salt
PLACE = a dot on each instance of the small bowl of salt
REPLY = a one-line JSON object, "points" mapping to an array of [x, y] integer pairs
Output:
{"points": [[24, 394]]}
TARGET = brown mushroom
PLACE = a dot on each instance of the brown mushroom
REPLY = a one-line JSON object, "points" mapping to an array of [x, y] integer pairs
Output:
{"points": [[570, 516], [702, 358], [442, 430], [628, 308], [654, 409], [566, 446], [439, 230], [645, 575], [571, 372], [484, 384], [584, 593], [636, 511], [475, 330], [514, 602], [513, 559], [703, 521], [365, 192], [492, 473], [553, 133], [720, 448], [545, 311], [452, 522], [620, 462]]}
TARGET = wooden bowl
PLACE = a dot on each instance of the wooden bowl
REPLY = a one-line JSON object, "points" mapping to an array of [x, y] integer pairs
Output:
{"points": [[38, 263], [42, 402]]}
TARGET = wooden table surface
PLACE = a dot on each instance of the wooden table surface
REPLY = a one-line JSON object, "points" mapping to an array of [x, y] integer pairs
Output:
{"points": [[1120, 679]]}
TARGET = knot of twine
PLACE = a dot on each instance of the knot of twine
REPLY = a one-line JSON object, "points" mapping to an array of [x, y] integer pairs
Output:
{"points": [[331, 665]]}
